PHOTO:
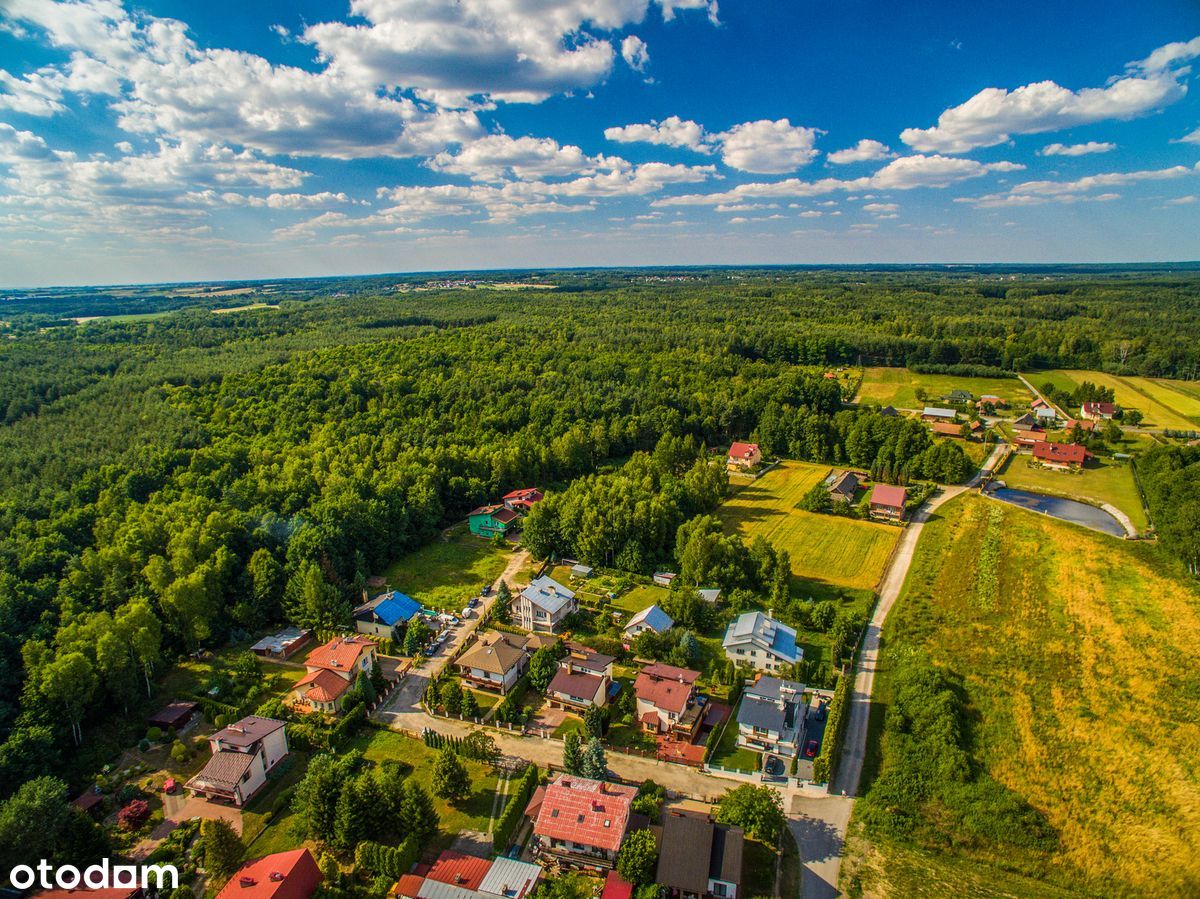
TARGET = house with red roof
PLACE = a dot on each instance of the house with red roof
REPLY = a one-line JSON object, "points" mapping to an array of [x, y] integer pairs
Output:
{"points": [[744, 455], [332, 670], [242, 755], [456, 875], [284, 875], [1098, 411], [887, 502], [522, 500], [667, 701], [1060, 455], [582, 680], [581, 822]]}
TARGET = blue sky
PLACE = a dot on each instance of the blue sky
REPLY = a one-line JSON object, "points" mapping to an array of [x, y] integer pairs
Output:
{"points": [[179, 140]]}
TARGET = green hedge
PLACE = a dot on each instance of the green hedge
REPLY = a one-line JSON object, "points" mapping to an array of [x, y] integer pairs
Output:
{"points": [[349, 725], [391, 861], [825, 764], [510, 818]]}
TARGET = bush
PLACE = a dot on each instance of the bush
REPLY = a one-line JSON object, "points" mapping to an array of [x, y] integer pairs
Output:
{"points": [[134, 815], [154, 735], [824, 765], [389, 861], [180, 753], [514, 811]]}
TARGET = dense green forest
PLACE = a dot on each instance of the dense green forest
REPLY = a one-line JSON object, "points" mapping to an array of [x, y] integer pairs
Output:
{"points": [[166, 482]]}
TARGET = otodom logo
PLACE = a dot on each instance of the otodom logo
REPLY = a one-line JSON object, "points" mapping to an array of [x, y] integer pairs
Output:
{"points": [[100, 876]]}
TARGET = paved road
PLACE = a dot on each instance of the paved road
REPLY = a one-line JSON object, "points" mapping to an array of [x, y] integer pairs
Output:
{"points": [[819, 825]]}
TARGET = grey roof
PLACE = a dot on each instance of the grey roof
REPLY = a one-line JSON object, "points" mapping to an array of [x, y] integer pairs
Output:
{"points": [[509, 877], [548, 594], [693, 849], [710, 594], [223, 772], [280, 641], [937, 412], [725, 860], [772, 688], [763, 714], [757, 628]]}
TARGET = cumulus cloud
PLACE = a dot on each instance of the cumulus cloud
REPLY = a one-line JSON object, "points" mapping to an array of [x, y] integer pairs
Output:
{"points": [[483, 50], [1084, 149], [635, 54], [670, 132], [864, 151], [1190, 138], [498, 156], [1033, 193], [880, 207], [763, 147], [994, 114]]}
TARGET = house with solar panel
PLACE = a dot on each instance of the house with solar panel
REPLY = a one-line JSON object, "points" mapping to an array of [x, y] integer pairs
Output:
{"points": [[543, 606], [381, 614], [761, 642]]}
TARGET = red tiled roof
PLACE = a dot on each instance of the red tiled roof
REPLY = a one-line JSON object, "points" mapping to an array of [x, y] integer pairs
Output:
{"points": [[945, 427], [466, 871], [581, 686], [671, 672], [535, 802], [1099, 409], [742, 450], [664, 692], [284, 875], [81, 892], [616, 887], [339, 654], [409, 885], [888, 495], [326, 685], [588, 812], [525, 494], [1086, 424], [1070, 453]]}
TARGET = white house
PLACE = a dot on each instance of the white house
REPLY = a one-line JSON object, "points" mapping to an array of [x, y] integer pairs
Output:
{"points": [[771, 716], [761, 641], [543, 605], [242, 754], [744, 455], [651, 618]]}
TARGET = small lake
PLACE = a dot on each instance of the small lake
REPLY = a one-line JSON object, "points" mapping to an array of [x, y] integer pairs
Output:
{"points": [[1067, 509]]}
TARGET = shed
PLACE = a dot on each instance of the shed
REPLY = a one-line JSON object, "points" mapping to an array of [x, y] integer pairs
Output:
{"points": [[176, 715]]}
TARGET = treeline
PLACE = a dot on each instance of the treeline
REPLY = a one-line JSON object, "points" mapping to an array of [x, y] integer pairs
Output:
{"points": [[893, 448], [1170, 478]]}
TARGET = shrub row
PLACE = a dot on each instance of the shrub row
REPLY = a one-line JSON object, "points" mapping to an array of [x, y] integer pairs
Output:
{"points": [[510, 818], [392, 862], [825, 764]]}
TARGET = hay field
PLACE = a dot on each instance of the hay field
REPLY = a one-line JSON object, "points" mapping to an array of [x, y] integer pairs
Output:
{"points": [[897, 387], [1163, 403]]}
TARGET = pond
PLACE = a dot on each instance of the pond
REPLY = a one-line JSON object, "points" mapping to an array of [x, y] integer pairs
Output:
{"points": [[1066, 509]]}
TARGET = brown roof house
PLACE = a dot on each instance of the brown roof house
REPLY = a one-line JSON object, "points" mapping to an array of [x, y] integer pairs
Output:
{"points": [[666, 701], [242, 755], [496, 661], [887, 502], [583, 679], [699, 859], [581, 822]]}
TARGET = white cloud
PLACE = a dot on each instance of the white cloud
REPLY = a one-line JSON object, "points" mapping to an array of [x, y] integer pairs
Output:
{"points": [[1084, 149], [635, 54], [933, 171], [865, 150], [498, 156], [492, 50], [1190, 138], [880, 207], [767, 148], [1033, 193], [994, 114], [670, 132], [1183, 201]]}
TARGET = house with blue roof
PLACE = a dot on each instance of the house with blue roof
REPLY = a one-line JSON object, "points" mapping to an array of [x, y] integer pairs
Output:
{"points": [[761, 642], [379, 615], [651, 618]]}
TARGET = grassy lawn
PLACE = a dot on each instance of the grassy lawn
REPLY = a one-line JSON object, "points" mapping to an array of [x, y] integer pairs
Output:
{"points": [[825, 549], [898, 387], [569, 723], [445, 574], [1078, 657], [758, 871], [1163, 403], [640, 597], [1101, 481], [728, 754], [256, 816]]}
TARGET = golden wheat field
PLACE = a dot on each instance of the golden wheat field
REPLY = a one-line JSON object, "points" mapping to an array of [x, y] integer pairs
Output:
{"points": [[1082, 666]]}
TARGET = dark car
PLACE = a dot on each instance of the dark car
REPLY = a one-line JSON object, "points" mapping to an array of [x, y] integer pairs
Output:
{"points": [[810, 751], [774, 767]]}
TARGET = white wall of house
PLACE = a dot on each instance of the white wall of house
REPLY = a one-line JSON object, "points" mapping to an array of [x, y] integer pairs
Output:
{"points": [[274, 747], [372, 628]]}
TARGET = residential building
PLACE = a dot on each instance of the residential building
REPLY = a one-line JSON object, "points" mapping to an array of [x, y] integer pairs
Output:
{"points": [[380, 615], [667, 702], [1045, 415], [332, 671], [959, 397], [543, 605], [699, 859], [651, 618], [581, 822], [844, 487], [771, 716], [285, 875], [710, 594], [1027, 421], [242, 755], [989, 399], [282, 645], [583, 679], [744, 455], [887, 502], [496, 661], [761, 641], [664, 578], [522, 500], [1097, 411], [492, 521], [935, 413], [1085, 424], [1060, 455], [456, 875]]}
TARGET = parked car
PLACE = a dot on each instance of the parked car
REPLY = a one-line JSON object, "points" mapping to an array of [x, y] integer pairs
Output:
{"points": [[810, 751], [774, 767], [472, 602], [486, 591]]}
